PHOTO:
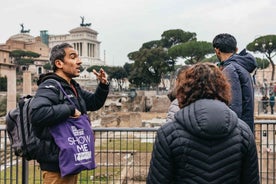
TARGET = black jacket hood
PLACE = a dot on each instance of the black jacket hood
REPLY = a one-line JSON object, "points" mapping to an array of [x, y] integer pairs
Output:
{"points": [[207, 118], [245, 59], [44, 77]]}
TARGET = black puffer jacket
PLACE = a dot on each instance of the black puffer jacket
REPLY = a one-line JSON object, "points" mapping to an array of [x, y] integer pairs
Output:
{"points": [[206, 144], [51, 107]]}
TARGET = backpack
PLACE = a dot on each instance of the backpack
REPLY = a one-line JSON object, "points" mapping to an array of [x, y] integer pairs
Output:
{"points": [[20, 129], [23, 140]]}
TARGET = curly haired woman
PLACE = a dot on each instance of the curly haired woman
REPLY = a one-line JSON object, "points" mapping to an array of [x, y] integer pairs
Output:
{"points": [[207, 142]]}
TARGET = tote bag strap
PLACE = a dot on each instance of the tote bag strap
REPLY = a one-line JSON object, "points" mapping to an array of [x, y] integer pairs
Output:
{"points": [[63, 91]]}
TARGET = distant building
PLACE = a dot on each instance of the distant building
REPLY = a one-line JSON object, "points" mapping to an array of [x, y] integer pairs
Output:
{"points": [[26, 42], [84, 40], [5, 57], [7, 69]]}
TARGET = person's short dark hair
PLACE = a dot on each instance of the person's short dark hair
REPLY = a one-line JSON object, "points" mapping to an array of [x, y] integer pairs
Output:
{"points": [[58, 52], [203, 81], [225, 43]]}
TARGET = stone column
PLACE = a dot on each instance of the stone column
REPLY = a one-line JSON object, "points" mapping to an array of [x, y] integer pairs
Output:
{"points": [[27, 83], [11, 89], [85, 49], [97, 50]]}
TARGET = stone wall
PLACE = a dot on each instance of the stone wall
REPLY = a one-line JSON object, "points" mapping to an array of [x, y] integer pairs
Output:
{"points": [[160, 104]]}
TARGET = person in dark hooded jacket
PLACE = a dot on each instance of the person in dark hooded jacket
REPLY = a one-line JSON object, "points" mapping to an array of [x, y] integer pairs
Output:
{"points": [[206, 143], [49, 107], [237, 68]]}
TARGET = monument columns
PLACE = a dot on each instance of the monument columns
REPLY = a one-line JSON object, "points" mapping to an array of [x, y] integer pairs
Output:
{"points": [[27, 83], [11, 88]]}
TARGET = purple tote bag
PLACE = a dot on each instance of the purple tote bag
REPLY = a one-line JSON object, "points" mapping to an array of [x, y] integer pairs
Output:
{"points": [[75, 139]]}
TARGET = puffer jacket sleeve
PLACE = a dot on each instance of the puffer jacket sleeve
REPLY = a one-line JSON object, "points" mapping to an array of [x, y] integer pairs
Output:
{"points": [[250, 171], [173, 108], [160, 170], [233, 77], [95, 101], [46, 109]]}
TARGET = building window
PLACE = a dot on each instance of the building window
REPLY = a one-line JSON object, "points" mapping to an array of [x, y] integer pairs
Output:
{"points": [[80, 51], [39, 70]]}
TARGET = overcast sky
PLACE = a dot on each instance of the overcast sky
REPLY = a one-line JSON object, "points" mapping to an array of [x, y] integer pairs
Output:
{"points": [[124, 25]]}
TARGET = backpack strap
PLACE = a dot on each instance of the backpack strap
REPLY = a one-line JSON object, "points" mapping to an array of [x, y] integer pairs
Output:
{"points": [[62, 92]]}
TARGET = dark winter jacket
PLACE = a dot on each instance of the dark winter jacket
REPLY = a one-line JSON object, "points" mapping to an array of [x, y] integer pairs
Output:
{"points": [[51, 107], [237, 69], [207, 143]]}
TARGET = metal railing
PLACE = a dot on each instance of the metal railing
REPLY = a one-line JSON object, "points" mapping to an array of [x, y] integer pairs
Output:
{"points": [[265, 136], [123, 157]]}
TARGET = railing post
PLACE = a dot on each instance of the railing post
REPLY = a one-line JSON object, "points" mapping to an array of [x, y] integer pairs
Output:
{"points": [[24, 171]]}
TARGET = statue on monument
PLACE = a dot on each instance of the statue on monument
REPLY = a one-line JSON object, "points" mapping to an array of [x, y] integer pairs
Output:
{"points": [[82, 20], [23, 30], [83, 24]]}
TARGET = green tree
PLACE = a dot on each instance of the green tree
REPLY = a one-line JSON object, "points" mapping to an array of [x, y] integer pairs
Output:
{"points": [[128, 68], [149, 66], [169, 39], [212, 59], [192, 51], [117, 72], [137, 76], [265, 45], [47, 66], [113, 72], [23, 58], [176, 36], [174, 44], [152, 44], [173, 37], [97, 68], [17, 54], [262, 63]]}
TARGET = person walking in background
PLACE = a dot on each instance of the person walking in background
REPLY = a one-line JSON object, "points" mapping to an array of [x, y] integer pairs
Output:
{"points": [[207, 142], [173, 108], [237, 68], [265, 100], [274, 89], [272, 102], [47, 109]]}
